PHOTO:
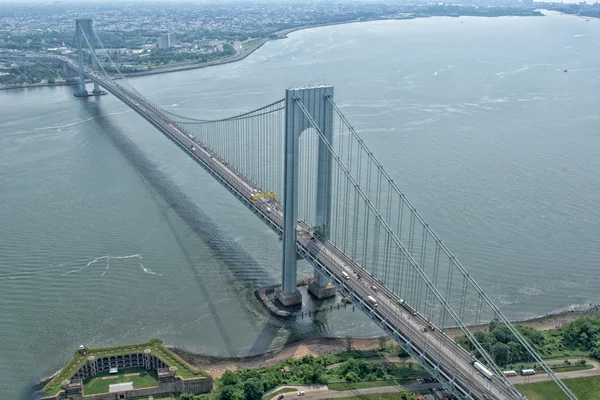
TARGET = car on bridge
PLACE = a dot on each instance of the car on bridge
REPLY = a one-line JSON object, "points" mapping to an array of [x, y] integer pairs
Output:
{"points": [[371, 300]]}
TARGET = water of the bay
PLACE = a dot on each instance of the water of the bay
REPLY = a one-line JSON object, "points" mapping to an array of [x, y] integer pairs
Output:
{"points": [[110, 234]]}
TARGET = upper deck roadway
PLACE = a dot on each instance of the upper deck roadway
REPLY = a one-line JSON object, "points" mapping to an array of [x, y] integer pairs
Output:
{"points": [[432, 347]]}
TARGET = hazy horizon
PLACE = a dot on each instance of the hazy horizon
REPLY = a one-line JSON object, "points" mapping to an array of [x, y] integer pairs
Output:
{"points": [[21, 3]]}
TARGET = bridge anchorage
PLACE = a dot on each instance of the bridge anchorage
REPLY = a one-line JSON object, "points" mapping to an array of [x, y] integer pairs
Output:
{"points": [[342, 213]]}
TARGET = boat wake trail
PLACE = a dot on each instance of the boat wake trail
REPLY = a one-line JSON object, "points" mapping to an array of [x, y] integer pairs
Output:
{"points": [[104, 259], [148, 271]]}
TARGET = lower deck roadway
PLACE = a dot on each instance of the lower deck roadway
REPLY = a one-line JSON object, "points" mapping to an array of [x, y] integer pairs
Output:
{"points": [[450, 357]]}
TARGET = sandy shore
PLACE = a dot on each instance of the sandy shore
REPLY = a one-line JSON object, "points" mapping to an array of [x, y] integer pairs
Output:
{"points": [[322, 346], [316, 346], [545, 322]]}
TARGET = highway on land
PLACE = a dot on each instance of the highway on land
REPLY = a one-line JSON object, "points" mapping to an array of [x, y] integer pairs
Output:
{"points": [[451, 358]]}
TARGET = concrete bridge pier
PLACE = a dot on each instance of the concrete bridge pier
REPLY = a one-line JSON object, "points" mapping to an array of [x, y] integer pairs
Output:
{"points": [[320, 109], [68, 73]]}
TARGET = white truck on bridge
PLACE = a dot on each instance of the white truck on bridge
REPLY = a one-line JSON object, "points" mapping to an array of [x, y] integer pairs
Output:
{"points": [[483, 370]]}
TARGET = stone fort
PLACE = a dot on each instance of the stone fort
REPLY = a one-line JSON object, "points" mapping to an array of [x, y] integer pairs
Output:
{"points": [[168, 381]]}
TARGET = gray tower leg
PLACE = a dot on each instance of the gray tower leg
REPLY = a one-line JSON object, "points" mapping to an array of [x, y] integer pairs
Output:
{"points": [[315, 101], [294, 118], [321, 287], [89, 31], [95, 68], [82, 89]]}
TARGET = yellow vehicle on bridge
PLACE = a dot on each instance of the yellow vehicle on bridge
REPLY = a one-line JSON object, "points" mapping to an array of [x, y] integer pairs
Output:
{"points": [[257, 196]]}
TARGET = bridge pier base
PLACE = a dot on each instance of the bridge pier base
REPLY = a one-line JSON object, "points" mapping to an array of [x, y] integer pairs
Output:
{"points": [[90, 94], [322, 292], [288, 299], [321, 288]]}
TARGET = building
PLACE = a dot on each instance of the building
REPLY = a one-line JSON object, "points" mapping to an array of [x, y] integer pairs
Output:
{"points": [[167, 40], [173, 375]]}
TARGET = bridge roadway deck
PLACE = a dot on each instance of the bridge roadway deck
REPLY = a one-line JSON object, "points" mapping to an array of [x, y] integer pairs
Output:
{"points": [[451, 359]]}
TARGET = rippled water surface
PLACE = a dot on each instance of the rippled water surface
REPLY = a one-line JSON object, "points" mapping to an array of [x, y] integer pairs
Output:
{"points": [[110, 234]]}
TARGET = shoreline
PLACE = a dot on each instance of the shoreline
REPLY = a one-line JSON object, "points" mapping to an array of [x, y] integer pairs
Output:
{"points": [[238, 57], [216, 365], [280, 35]]}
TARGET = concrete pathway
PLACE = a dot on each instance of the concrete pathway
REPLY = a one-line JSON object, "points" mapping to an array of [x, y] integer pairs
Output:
{"points": [[561, 375], [336, 394], [299, 388], [321, 392]]}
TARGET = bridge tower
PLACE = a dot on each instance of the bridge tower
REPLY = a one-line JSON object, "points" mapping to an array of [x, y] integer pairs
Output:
{"points": [[315, 101], [84, 27]]}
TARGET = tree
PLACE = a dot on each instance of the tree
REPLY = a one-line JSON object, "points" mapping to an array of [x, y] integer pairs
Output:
{"points": [[269, 380], [348, 341], [352, 377], [500, 352], [228, 393], [229, 378], [584, 340], [371, 377], [596, 350], [253, 389], [401, 352], [382, 340]]}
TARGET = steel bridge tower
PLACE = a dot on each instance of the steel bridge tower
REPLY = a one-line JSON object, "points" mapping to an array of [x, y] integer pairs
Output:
{"points": [[315, 100], [84, 32]]}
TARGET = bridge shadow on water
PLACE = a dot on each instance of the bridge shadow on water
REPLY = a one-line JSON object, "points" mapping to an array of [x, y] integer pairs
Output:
{"points": [[242, 267]]}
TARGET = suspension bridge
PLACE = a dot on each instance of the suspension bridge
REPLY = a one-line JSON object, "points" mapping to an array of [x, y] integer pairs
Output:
{"points": [[301, 168]]}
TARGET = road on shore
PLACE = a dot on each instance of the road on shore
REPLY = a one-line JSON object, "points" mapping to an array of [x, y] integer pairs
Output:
{"points": [[321, 392], [561, 375]]}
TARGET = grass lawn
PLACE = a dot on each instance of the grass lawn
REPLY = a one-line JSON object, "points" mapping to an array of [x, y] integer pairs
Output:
{"points": [[570, 368], [340, 386], [378, 396], [587, 388], [252, 44], [280, 391], [99, 384]]}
